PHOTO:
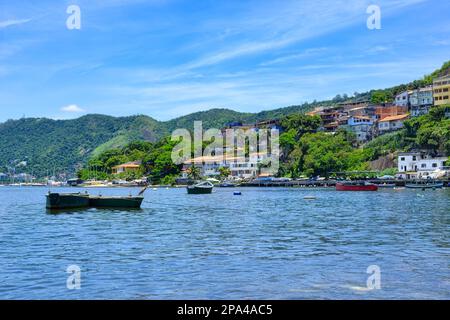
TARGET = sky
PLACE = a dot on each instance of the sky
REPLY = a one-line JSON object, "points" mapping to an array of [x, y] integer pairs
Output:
{"points": [[168, 58]]}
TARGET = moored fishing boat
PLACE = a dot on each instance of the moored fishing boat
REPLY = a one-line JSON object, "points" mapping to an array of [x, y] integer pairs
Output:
{"points": [[425, 184], [204, 187], [67, 200], [129, 202], [84, 200], [356, 186], [227, 184]]}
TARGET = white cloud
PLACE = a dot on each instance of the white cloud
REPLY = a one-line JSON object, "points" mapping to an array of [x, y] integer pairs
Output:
{"points": [[7, 23], [73, 108]]}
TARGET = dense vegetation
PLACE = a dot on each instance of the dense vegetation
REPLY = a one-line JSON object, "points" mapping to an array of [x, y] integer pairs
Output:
{"points": [[388, 95], [60, 146], [306, 151], [156, 161], [309, 153], [48, 146]]}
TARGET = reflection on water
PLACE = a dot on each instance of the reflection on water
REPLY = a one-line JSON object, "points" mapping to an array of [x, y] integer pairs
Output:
{"points": [[264, 244]]}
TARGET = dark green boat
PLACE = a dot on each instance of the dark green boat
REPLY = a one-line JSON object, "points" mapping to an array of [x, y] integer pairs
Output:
{"points": [[67, 200], [57, 201], [205, 187], [115, 202]]}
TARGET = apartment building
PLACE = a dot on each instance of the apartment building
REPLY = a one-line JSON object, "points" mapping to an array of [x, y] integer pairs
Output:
{"points": [[441, 90]]}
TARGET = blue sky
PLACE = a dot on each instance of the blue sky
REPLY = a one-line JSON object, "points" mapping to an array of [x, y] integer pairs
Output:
{"points": [[167, 58]]}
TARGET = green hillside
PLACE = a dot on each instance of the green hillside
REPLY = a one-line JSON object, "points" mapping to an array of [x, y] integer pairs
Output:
{"points": [[60, 146], [64, 145], [49, 146]]}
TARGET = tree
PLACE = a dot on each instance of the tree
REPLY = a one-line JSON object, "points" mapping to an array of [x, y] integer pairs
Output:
{"points": [[194, 172], [224, 172], [381, 96]]}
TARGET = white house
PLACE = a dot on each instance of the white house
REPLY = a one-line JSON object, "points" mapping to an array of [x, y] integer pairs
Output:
{"points": [[392, 123], [240, 167], [402, 99], [419, 165], [362, 127]]}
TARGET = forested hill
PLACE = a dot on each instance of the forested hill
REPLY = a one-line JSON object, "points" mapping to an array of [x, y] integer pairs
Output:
{"points": [[62, 145], [59, 146], [48, 146]]}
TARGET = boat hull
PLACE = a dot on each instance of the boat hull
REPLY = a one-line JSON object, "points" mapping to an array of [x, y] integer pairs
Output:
{"points": [[226, 185], [57, 201], [116, 202], [425, 186], [199, 190], [344, 187]]}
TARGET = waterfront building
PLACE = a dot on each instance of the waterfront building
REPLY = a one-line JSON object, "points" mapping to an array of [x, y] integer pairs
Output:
{"points": [[126, 167], [441, 90], [23, 177], [247, 167], [402, 99], [392, 123], [362, 127], [420, 101], [419, 165], [240, 167]]}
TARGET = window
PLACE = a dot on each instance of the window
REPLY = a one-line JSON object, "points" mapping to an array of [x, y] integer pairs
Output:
{"points": [[414, 158], [435, 165], [402, 159], [424, 165]]}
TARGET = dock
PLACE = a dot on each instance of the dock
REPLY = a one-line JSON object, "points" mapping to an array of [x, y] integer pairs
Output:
{"points": [[324, 183]]}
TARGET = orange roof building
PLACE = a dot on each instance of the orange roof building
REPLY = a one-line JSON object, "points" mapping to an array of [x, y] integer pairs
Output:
{"points": [[392, 123], [126, 167]]}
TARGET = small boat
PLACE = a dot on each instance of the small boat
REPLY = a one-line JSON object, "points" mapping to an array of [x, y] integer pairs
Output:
{"points": [[67, 200], [115, 202], [227, 185], [386, 185], [425, 184], [356, 186], [237, 193], [204, 187], [84, 200]]}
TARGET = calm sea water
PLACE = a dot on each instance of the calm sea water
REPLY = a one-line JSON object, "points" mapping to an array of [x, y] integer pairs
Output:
{"points": [[264, 244]]}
